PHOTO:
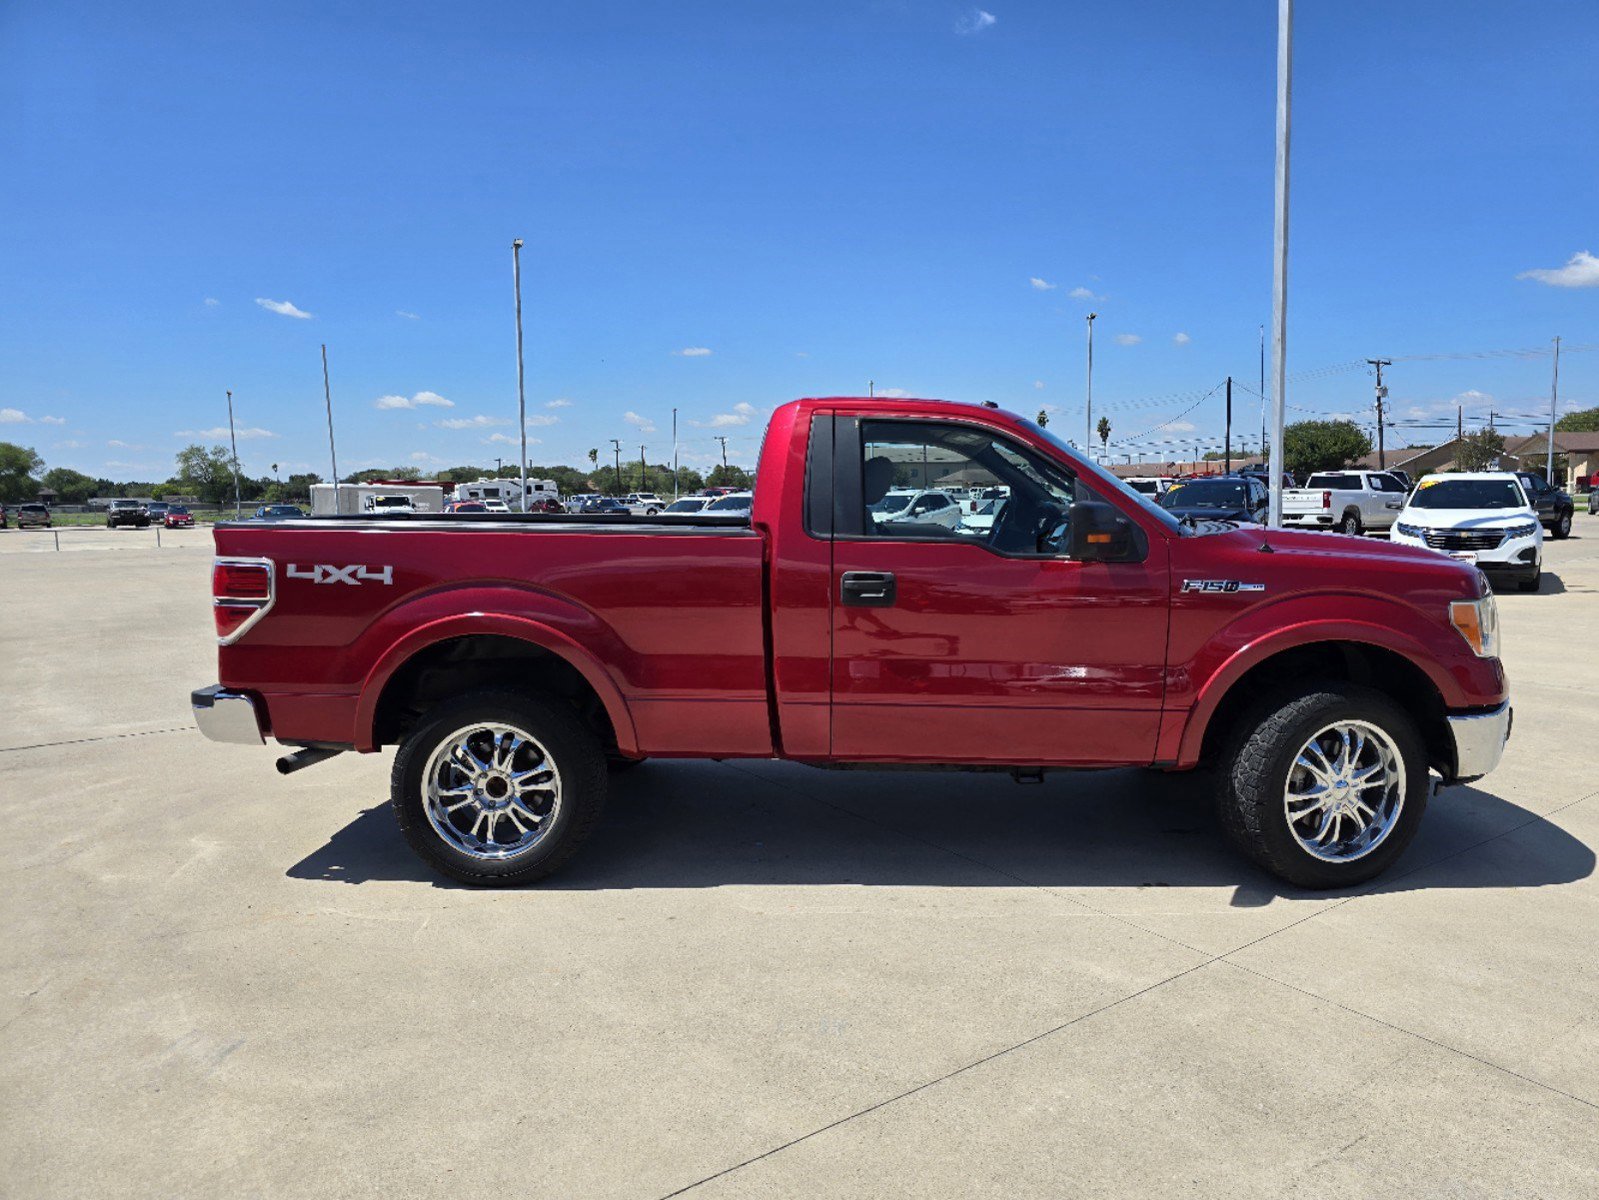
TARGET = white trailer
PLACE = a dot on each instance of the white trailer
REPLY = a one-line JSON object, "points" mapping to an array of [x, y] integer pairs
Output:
{"points": [[509, 490], [356, 499]]}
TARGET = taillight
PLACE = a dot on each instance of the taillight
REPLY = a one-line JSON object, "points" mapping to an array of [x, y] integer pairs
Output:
{"points": [[1326, 499], [242, 591]]}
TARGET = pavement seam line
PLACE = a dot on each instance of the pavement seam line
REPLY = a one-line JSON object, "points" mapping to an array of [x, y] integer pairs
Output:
{"points": [[921, 1087], [105, 737], [1421, 1037]]}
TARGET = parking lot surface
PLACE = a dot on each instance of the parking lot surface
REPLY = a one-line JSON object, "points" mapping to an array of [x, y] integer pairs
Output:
{"points": [[759, 979]]}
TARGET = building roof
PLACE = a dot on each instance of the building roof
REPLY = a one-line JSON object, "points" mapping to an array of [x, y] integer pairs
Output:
{"points": [[1565, 443]]}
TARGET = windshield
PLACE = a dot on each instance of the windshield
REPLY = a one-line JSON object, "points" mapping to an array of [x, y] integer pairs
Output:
{"points": [[893, 502], [1106, 481], [1468, 493], [177, 510], [1206, 493], [730, 504], [685, 506], [1144, 487]]}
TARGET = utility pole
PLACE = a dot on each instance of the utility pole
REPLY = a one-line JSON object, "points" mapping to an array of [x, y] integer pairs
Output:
{"points": [[1554, 402], [1460, 424], [1279, 285], [1088, 420], [674, 454], [521, 394], [1263, 394], [616, 445], [327, 392], [1227, 453], [643, 472], [234, 442], [499, 465], [723, 440], [1382, 394]]}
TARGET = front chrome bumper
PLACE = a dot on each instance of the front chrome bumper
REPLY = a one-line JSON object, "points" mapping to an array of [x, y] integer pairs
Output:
{"points": [[225, 716], [1480, 741]]}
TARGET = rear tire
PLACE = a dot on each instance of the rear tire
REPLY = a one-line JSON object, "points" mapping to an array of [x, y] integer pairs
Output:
{"points": [[498, 834], [1350, 525], [1562, 527], [1261, 781]]}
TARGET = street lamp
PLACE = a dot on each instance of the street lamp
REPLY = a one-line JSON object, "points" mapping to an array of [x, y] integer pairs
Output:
{"points": [[1088, 420], [521, 394]]}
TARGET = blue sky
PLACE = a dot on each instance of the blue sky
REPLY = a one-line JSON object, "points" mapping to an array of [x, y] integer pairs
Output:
{"points": [[729, 205]]}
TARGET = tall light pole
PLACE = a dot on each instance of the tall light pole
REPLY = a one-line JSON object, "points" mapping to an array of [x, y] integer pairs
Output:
{"points": [[674, 454], [233, 441], [333, 454], [521, 394], [1279, 283], [1088, 420], [1554, 403]]}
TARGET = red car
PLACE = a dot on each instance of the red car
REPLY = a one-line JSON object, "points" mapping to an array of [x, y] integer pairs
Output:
{"points": [[1323, 680], [178, 517]]}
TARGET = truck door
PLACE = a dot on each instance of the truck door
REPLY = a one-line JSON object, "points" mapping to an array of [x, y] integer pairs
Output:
{"points": [[968, 642]]}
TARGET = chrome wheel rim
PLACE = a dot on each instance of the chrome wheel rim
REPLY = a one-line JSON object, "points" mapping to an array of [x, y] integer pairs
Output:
{"points": [[491, 791], [1345, 791]]}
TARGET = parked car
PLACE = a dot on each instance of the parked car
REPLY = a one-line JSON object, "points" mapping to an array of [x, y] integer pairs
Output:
{"points": [[1553, 506], [685, 506], [122, 513], [980, 521], [1241, 498], [1593, 501], [732, 504], [496, 506], [379, 505], [545, 504], [604, 506], [156, 510], [1327, 692], [2, 516], [33, 516], [280, 512], [465, 506], [1349, 501], [177, 517], [644, 504], [1480, 517], [1153, 486], [911, 507], [1403, 477]]}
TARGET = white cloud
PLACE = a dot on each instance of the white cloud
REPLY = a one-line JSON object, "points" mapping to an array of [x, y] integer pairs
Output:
{"points": [[420, 400], [559, 402], [1039, 384], [69, 445], [53, 420], [116, 464], [212, 302], [14, 416], [641, 423], [506, 439], [1473, 396], [1180, 339], [740, 415], [1416, 413], [975, 22], [693, 352], [422, 456], [802, 354], [1582, 270], [541, 419], [283, 308], [1082, 293], [249, 433], [409, 316], [1128, 339], [478, 422], [1178, 427], [1041, 285], [117, 443]]}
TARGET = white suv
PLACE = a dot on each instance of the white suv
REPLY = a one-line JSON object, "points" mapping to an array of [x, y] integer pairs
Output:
{"points": [[1480, 517], [903, 506]]}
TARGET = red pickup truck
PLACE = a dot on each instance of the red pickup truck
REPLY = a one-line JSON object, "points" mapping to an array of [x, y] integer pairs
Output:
{"points": [[855, 617]]}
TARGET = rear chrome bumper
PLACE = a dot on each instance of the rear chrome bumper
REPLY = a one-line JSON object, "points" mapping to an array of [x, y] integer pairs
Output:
{"points": [[1480, 741], [225, 716]]}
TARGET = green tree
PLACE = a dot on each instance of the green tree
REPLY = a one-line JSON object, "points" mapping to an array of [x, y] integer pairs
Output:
{"points": [[1310, 446], [1584, 420], [731, 476], [1043, 418], [1478, 450], [18, 467], [1103, 429], [71, 487], [207, 474]]}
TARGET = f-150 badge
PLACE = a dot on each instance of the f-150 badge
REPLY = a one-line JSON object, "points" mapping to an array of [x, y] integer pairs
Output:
{"points": [[1221, 585], [354, 575]]}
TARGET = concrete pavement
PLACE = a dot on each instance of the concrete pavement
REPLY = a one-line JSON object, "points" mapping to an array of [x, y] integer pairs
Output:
{"points": [[761, 980]]}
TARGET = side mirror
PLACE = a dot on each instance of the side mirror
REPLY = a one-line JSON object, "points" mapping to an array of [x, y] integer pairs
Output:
{"points": [[1099, 532]]}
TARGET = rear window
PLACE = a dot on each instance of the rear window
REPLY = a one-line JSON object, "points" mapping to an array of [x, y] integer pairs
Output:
{"points": [[1335, 483]]}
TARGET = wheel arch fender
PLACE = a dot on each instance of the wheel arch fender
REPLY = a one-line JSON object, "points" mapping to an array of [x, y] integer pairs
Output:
{"points": [[522, 628]]}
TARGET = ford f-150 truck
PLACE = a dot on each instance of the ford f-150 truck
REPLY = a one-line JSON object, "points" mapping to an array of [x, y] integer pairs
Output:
{"points": [[1327, 684]]}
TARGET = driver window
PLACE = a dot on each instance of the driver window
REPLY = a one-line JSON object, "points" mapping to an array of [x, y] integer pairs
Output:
{"points": [[941, 480]]}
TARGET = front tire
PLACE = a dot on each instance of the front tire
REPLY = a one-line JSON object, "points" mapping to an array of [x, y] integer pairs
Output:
{"points": [[1350, 525], [1326, 787], [497, 788], [1562, 527]]}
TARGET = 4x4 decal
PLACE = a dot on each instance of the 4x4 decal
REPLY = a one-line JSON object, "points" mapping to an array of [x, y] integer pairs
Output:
{"points": [[354, 575]]}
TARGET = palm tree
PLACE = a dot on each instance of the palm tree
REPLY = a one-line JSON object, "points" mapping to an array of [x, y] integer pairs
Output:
{"points": [[1103, 429]]}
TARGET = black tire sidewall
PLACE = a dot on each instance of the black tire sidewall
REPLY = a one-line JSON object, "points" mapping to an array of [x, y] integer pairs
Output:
{"points": [[570, 743], [1350, 519], [1272, 843]]}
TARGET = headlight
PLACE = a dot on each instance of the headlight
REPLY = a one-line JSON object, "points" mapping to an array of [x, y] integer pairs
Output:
{"points": [[1521, 531], [1478, 623], [1414, 531]]}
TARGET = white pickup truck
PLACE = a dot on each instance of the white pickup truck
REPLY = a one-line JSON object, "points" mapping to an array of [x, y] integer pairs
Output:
{"points": [[1350, 501]]}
